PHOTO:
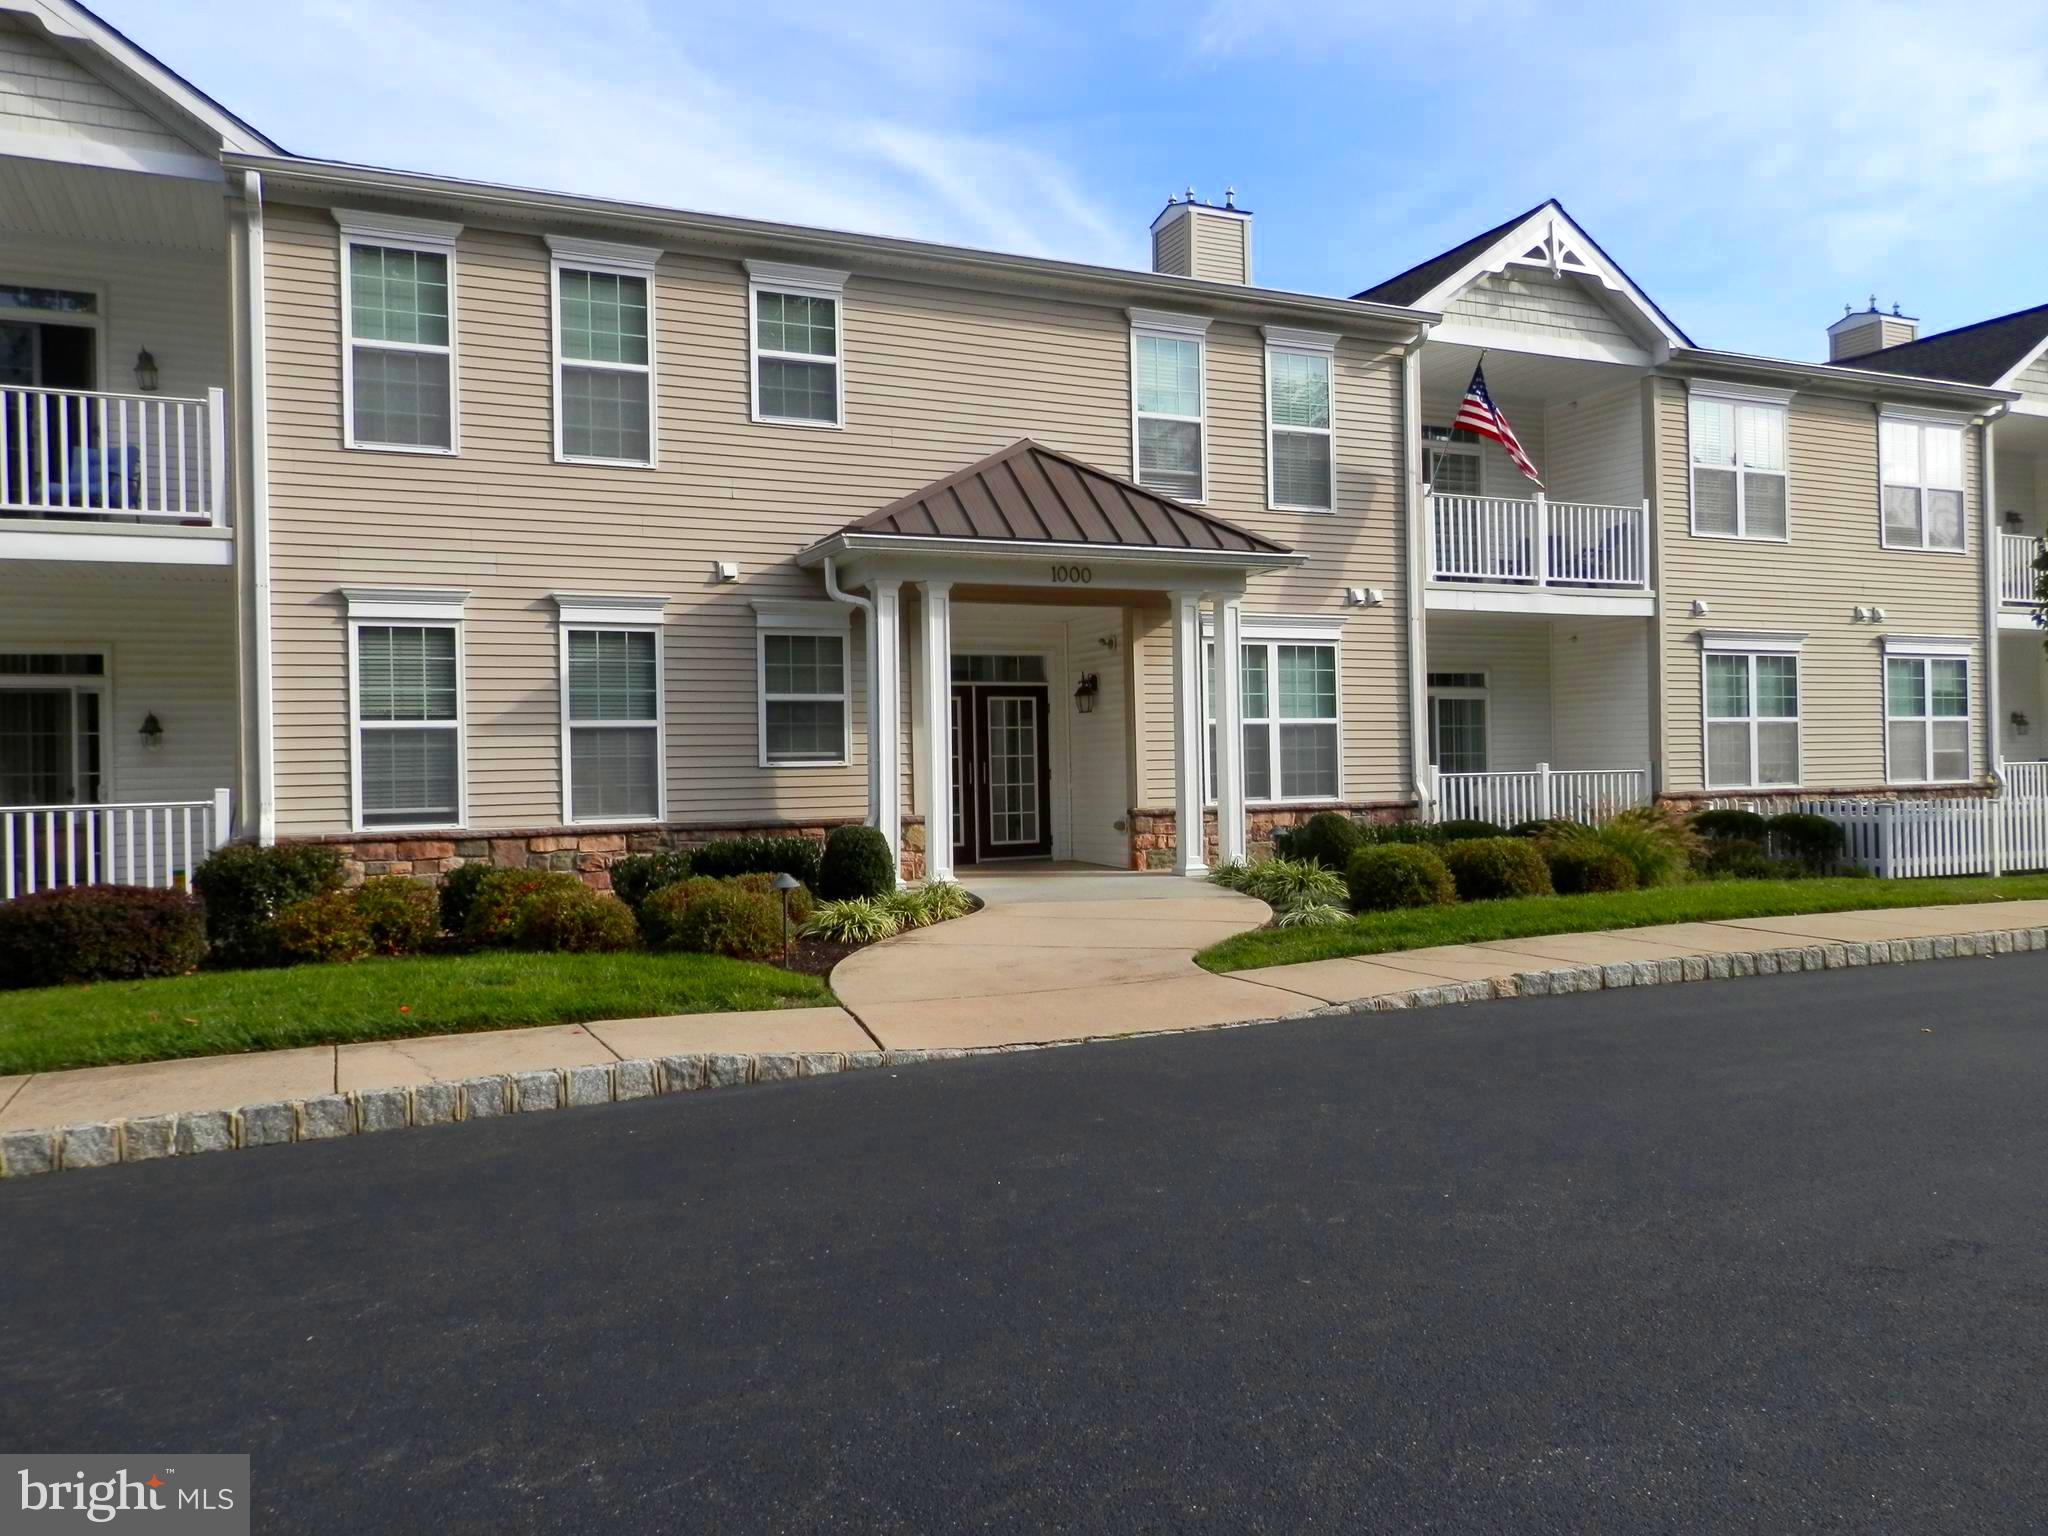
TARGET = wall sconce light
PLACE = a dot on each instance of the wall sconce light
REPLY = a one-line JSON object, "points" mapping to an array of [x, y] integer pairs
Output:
{"points": [[1084, 694], [145, 372], [152, 732], [2021, 725], [2012, 519]]}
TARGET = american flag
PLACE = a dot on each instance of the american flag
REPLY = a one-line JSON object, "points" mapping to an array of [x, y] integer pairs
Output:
{"points": [[1477, 413]]}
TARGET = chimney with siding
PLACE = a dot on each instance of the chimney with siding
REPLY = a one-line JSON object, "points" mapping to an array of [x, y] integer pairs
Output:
{"points": [[1867, 330], [1213, 241]]}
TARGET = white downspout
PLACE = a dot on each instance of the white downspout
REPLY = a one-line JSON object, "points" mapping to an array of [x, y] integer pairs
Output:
{"points": [[867, 608], [1418, 576], [1994, 716], [258, 532]]}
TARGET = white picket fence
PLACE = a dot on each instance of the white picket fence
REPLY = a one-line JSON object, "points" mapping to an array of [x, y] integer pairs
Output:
{"points": [[43, 847], [1542, 793], [1913, 839]]}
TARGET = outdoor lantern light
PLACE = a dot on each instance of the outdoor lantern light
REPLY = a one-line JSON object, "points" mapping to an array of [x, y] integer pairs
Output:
{"points": [[785, 883], [152, 731], [1084, 695], [145, 372]]}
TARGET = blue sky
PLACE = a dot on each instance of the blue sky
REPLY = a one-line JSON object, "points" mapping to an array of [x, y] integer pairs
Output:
{"points": [[1753, 168]]}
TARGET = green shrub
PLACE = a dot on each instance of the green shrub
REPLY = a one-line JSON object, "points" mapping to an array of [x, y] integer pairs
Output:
{"points": [[1488, 868], [573, 920], [946, 900], [857, 862], [799, 856], [402, 915], [493, 917], [1657, 843], [328, 929], [1579, 867], [99, 933], [662, 915], [1466, 830], [1410, 833], [245, 887], [1329, 839], [1741, 858], [740, 923], [1813, 840], [458, 894], [1549, 828], [1389, 875], [640, 875], [1715, 826], [859, 920], [1288, 884]]}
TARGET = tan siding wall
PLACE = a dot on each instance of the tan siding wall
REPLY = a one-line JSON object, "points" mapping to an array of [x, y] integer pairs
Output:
{"points": [[1536, 303], [1812, 585], [2033, 378], [1170, 249], [1220, 253], [1514, 652], [935, 378], [1097, 744], [43, 92], [1595, 449], [1599, 692]]}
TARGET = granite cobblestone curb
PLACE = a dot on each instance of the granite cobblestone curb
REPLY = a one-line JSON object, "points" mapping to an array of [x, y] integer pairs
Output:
{"points": [[100, 1144]]}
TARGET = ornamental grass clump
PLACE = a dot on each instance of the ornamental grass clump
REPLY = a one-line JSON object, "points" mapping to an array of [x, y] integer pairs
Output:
{"points": [[1287, 885], [857, 920]]}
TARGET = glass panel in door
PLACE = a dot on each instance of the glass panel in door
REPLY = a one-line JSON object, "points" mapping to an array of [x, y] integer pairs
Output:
{"points": [[1014, 810], [37, 761]]}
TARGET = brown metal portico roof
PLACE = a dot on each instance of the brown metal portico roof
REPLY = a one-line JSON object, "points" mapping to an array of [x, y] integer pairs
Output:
{"points": [[1029, 493]]}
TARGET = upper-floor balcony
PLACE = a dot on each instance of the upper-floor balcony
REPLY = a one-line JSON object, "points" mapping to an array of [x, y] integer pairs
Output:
{"points": [[2018, 576], [1538, 547]]}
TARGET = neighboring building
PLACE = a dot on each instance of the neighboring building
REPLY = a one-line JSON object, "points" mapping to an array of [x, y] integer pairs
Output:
{"points": [[450, 521]]}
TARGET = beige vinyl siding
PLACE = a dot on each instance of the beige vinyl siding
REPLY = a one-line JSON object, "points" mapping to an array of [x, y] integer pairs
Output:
{"points": [[2033, 379], [1097, 750], [1171, 250], [2022, 689], [1594, 448], [2021, 483], [1514, 653], [1221, 253], [1834, 563], [44, 92], [935, 377], [1534, 303], [1599, 692]]}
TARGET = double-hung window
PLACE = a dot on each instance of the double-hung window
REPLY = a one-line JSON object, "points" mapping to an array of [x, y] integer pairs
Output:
{"points": [[1300, 437], [1927, 714], [1290, 717], [1738, 463], [1751, 697], [1169, 438], [604, 351], [1453, 464], [796, 334], [612, 746], [1922, 477], [1457, 721], [405, 662], [803, 695], [398, 333]]}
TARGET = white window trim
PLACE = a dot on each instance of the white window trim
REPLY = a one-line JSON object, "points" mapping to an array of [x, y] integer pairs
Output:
{"points": [[1483, 693], [589, 611], [602, 256], [1268, 631], [1922, 420], [808, 282], [1738, 395], [1750, 647], [1923, 649], [825, 619], [1282, 339], [433, 237], [1173, 327], [1434, 449], [418, 608]]}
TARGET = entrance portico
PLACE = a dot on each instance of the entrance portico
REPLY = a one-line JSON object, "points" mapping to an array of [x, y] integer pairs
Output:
{"points": [[1028, 531]]}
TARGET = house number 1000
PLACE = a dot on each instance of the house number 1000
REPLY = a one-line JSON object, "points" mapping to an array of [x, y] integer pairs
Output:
{"points": [[1076, 575]]}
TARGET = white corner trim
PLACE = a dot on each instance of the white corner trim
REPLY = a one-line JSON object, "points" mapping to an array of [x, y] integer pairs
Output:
{"points": [[1305, 627], [609, 610], [798, 613], [1927, 645], [396, 227], [1927, 415], [1751, 640], [781, 274], [1752, 394], [1287, 338], [1169, 321], [417, 604], [603, 253]]}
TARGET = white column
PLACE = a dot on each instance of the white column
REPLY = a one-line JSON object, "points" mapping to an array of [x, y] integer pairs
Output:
{"points": [[1189, 735], [1227, 622], [885, 713], [937, 737]]}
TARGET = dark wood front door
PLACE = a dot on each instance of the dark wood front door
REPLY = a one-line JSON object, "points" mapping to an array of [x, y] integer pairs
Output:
{"points": [[1002, 772]]}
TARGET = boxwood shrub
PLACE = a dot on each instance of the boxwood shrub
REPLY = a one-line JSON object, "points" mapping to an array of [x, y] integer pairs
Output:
{"points": [[1383, 876], [1465, 830], [743, 924], [663, 913], [98, 933], [1578, 868], [638, 876], [573, 919], [799, 856], [1813, 840], [458, 894], [328, 929], [1485, 868], [1328, 838], [401, 915], [1715, 826], [245, 887], [493, 916], [857, 862]]}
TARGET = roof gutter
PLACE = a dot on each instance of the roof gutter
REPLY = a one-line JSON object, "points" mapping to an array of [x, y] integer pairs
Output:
{"points": [[1702, 359]]}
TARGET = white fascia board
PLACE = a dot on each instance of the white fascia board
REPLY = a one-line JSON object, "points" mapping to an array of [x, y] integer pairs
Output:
{"points": [[574, 251], [1475, 599], [1290, 339], [1581, 349], [1773, 642], [1927, 645], [800, 613], [119, 546], [1747, 394], [2018, 619], [604, 609], [1893, 410], [440, 605], [402, 228], [782, 274]]}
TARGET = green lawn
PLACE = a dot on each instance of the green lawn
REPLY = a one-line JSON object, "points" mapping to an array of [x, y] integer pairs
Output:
{"points": [[1529, 916], [220, 1011]]}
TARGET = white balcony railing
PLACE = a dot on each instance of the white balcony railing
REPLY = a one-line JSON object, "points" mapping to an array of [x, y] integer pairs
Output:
{"points": [[145, 458], [2025, 780], [158, 842], [2016, 574], [1539, 543], [1543, 793]]}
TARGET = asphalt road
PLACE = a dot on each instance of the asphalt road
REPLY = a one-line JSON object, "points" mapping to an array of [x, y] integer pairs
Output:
{"points": [[1759, 1255]]}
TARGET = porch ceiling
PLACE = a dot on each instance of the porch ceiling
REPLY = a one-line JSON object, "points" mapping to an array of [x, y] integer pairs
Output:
{"points": [[1513, 377], [56, 201]]}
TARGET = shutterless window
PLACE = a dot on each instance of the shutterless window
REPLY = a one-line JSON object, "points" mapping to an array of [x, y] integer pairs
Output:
{"points": [[607, 377], [1923, 484], [1927, 719], [796, 357], [614, 724], [1298, 399], [1738, 468], [804, 698], [1290, 720], [408, 720], [1457, 721], [1167, 372], [400, 352], [1752, 721]]}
